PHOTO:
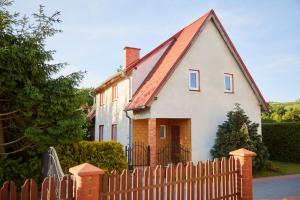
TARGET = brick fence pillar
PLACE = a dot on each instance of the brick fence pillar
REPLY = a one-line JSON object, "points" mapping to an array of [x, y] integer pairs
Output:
{"points": [[87, 179], [152, 141], [245, 165]]}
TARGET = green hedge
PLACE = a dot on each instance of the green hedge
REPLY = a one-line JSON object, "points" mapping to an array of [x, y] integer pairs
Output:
{"points": [[108, 156], [282, 140]]}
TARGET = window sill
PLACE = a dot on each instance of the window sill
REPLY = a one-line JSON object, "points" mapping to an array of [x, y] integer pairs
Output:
{"points": [[195, 90]]}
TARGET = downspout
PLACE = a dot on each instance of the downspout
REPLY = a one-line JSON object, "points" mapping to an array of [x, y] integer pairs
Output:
{"points": [[130, 127]]}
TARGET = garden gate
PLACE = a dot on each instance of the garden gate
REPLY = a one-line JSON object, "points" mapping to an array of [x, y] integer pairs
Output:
{"points": [[138, 155]]}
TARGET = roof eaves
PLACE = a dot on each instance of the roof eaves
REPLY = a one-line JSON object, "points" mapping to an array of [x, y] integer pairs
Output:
{"points": [[111, 79]]}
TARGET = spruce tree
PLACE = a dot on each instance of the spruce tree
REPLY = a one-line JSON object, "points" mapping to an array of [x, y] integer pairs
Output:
{"points": [[239, 132]]}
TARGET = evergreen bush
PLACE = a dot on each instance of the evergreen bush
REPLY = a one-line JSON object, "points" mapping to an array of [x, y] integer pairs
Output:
{"points": [[239, 132]]}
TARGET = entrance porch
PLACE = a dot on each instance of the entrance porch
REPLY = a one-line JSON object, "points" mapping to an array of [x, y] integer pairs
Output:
{"points": [[169, 140]]}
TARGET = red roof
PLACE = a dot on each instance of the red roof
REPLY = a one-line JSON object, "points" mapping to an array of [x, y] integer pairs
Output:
{"points": [[180, 43]]}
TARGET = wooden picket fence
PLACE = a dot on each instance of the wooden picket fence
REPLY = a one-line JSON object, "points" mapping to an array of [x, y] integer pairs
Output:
{"points": [[29, 190], [212, 180]]}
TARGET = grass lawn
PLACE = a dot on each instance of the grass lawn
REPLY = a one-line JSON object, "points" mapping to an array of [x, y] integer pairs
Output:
{"points": [[285, 168]]}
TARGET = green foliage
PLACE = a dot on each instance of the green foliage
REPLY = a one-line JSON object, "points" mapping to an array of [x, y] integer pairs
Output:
{"points": [[26, 166], [282, 140], [239, 132], [108, 156], [44, 105], [85, 98], [282, 112]]}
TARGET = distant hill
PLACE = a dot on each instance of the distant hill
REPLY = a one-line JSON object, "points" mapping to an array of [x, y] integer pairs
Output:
{"points": [[282, 112]]}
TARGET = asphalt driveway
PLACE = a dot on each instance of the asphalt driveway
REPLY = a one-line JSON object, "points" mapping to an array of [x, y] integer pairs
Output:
{"points": [[279, 187]]}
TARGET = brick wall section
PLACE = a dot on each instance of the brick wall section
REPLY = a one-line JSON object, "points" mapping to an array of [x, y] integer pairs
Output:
{"points": [[245, 165], [152, 141], [87, 179], [140, 132]]}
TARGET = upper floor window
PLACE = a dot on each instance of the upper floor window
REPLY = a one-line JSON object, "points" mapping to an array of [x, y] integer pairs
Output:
{"points": [[101, 128], [114, 92], [228, 82], [101, 98], [194, 80], [114, 132], [163, 131]]}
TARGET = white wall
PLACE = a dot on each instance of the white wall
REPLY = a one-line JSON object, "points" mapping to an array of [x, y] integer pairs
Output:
{"points": [[143, 69], [207, 108], [112, 113]]}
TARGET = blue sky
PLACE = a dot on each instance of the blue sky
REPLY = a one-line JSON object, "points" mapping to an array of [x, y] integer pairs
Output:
{"points": [[266, 34]]}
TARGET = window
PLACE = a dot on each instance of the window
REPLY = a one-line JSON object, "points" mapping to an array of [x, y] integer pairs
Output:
{"points": [[114, 92], [194, 81], [162, 131], [101, 127], [114, 132], [101, 99], [228, 83]]}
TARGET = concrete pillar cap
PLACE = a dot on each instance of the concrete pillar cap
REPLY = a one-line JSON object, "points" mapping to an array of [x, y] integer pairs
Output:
{"points": [[86, 169], [242, 152]]}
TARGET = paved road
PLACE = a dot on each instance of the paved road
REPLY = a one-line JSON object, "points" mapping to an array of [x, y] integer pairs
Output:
{"points": [[281, 187]]}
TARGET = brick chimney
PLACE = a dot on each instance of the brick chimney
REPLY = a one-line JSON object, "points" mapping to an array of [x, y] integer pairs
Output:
{"points": [[131, 54]]}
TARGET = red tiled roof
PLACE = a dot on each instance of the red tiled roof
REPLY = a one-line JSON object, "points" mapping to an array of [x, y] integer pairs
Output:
{"points": [[181, 42]]}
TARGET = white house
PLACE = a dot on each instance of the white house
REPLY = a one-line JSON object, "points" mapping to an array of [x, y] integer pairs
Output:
{"points": [[178, 93]]}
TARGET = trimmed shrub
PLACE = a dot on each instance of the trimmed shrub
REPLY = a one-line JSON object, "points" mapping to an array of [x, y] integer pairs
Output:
{"points": [[282, 140], [108, 156]]}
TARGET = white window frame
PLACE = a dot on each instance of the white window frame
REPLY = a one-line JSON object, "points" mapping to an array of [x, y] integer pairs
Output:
{"points": [[197, 73], [164, 133], [101, 134], [114, 135], [231, 82]]}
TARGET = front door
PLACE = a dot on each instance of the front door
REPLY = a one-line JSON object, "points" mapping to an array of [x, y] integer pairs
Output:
{"points": [[175, 144]]}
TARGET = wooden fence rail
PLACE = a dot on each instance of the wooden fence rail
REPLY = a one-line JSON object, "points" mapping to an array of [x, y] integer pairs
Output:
{"points": [[210, 180], [29, 190], [220, 179]]}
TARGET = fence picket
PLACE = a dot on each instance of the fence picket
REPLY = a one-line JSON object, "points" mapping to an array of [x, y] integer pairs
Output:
{"points": [[25, 190], [223, 171], [199, 183], [168, 179], [128, 185], [117, 186], [62, 188], [134, 184], [105, 186], [4, 194], [192, 185], [172, 180], [234, 178], [161, 182], [139, 184], [207, 180], [146, 183], [187, 175], [216, 181], [151, 182], [70, 185], [112, 185], [12, 190], [230, 169], [227, 175], [178, 178], [123, 184], [33, 190]]}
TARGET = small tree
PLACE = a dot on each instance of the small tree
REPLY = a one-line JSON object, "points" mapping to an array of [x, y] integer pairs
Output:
{"points": [[239, 132]]}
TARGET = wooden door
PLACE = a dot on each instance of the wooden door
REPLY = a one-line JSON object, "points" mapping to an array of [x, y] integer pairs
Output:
{"points": [[175, 143]]}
